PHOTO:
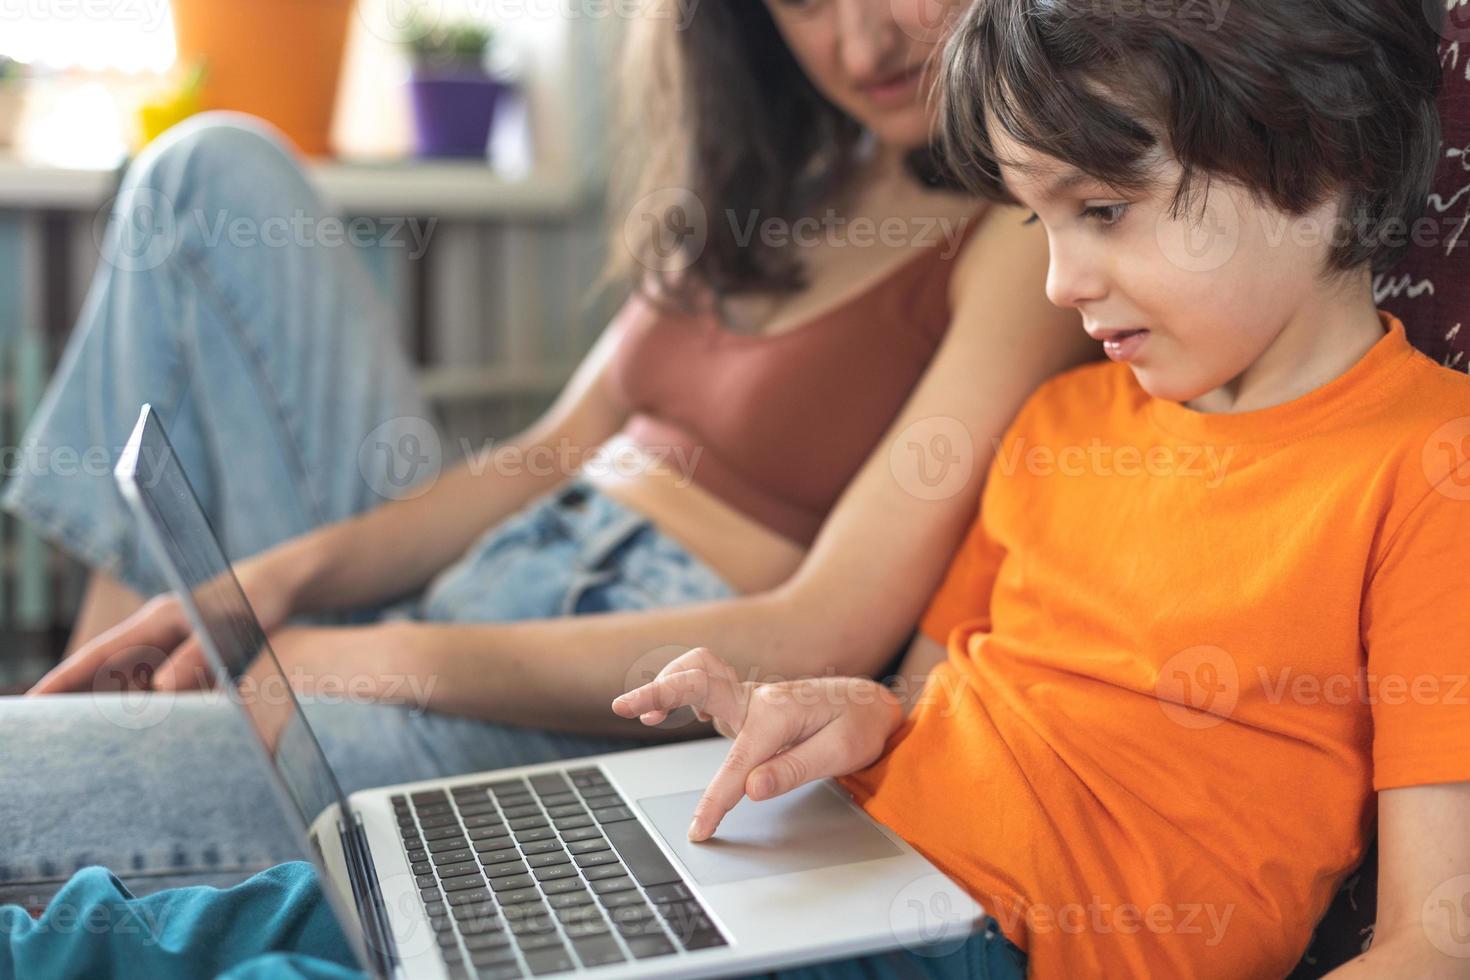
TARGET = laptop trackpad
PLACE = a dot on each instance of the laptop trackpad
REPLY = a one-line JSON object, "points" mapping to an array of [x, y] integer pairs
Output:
{"points": [[812, 827]]}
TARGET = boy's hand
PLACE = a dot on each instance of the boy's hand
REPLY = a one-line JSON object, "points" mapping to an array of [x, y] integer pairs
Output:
{"points": [[786, 733]]}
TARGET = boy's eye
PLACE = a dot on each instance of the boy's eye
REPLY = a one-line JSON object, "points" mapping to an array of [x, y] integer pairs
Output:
{"points": [[1033, 219], [1104, 214]]}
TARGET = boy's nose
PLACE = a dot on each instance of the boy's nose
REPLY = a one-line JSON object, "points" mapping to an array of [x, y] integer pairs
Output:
{"points": [[1073, 279]]}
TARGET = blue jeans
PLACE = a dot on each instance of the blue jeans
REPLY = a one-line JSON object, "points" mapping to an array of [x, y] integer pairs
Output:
{"points": [[278, 374], [277, 925]]}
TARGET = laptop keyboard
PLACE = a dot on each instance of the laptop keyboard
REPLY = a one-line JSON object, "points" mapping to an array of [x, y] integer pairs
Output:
{"points": [[529, 876]]}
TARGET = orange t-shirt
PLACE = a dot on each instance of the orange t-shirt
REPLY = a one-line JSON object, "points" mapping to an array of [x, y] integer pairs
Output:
{"points": [[1184, 651]]}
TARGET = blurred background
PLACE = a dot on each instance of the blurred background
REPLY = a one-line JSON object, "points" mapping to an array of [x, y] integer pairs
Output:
{"points": [[480, 122]]}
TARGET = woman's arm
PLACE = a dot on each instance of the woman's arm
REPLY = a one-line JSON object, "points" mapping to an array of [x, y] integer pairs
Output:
{"points": [[343, 565], [879, 557], [1423, 928]]}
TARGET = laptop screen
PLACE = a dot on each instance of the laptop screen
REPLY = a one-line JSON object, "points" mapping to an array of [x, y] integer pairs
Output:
{"points": [[153, 482]]}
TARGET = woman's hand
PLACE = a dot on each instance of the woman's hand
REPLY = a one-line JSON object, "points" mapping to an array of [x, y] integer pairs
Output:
{"points": [[786, 733], [156, 646]]}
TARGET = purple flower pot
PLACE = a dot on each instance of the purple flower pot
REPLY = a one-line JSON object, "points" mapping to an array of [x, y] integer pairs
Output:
{"points": [[453, 111]]}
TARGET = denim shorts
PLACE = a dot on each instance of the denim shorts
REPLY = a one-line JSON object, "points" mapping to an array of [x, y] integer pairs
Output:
{"points": [[273, 369]]}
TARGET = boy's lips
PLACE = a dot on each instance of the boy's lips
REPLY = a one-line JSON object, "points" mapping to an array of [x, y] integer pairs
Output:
{"points": [[1122, 344]]}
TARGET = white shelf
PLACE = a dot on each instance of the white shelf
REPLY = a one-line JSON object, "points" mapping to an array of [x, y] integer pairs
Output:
{"points": [[428, 188]]}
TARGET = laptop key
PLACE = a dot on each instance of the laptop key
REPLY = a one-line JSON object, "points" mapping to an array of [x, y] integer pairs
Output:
{"points": [[499, 856], [526, 810], [482, 926], [475, 809], [470, 896], [506, 785], [597, 950], [456, 868], [705, 939], [570, 834], [612, 885], [487, 940], [561, 886], [598, 843], [425, 881], [528, 823], [499, 834], [486, 911], [645, 947], [604, 871], [612, 814], [550, 782], [596, 858], [512, 881], [457, 856], [449, 839], [558, 799], [518, 896], [462, 882], [540, 940], [646, 862], [572, 822], [549, 961], [554, 872], [429, 894], [541, 846], [548, 858], [421, 868], [674, 891], [535, 833], [566, 810], [516, 867], [483, 820], [438, 820], [620, 899], [503, 970], [571, 899], [441, 923]]}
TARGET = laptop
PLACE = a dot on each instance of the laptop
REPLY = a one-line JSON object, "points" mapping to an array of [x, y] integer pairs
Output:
{"points": [[580, 866]]}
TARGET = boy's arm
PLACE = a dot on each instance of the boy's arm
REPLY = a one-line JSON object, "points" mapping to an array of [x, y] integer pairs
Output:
{"points": [[1423, 928]]}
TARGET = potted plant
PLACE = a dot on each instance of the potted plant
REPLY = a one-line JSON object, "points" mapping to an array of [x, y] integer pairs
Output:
{"points": [[12, 99], [277, 59], [451, 87]]}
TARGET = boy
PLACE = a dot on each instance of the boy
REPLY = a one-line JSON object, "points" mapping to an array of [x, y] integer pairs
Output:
{"points": [[1217, 596]]}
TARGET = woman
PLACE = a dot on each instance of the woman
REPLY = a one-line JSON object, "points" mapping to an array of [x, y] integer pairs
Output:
{"points": [[853, 389]]}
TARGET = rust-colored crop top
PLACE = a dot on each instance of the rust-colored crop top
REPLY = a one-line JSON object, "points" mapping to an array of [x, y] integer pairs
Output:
{"points": [[782, 423]]}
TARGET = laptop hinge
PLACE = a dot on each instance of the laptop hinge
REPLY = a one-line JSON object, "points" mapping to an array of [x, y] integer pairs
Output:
{"points": [[368, 898]]}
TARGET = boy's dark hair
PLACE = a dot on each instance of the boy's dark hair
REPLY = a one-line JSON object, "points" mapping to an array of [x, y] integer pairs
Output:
{"points": [[1292, 99]]}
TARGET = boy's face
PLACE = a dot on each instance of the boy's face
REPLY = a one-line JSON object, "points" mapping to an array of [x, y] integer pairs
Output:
{"points": [[1204, 295]]}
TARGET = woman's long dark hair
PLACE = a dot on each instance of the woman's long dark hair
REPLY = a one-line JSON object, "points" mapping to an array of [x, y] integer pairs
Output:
{"points": [[717, 116]]}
